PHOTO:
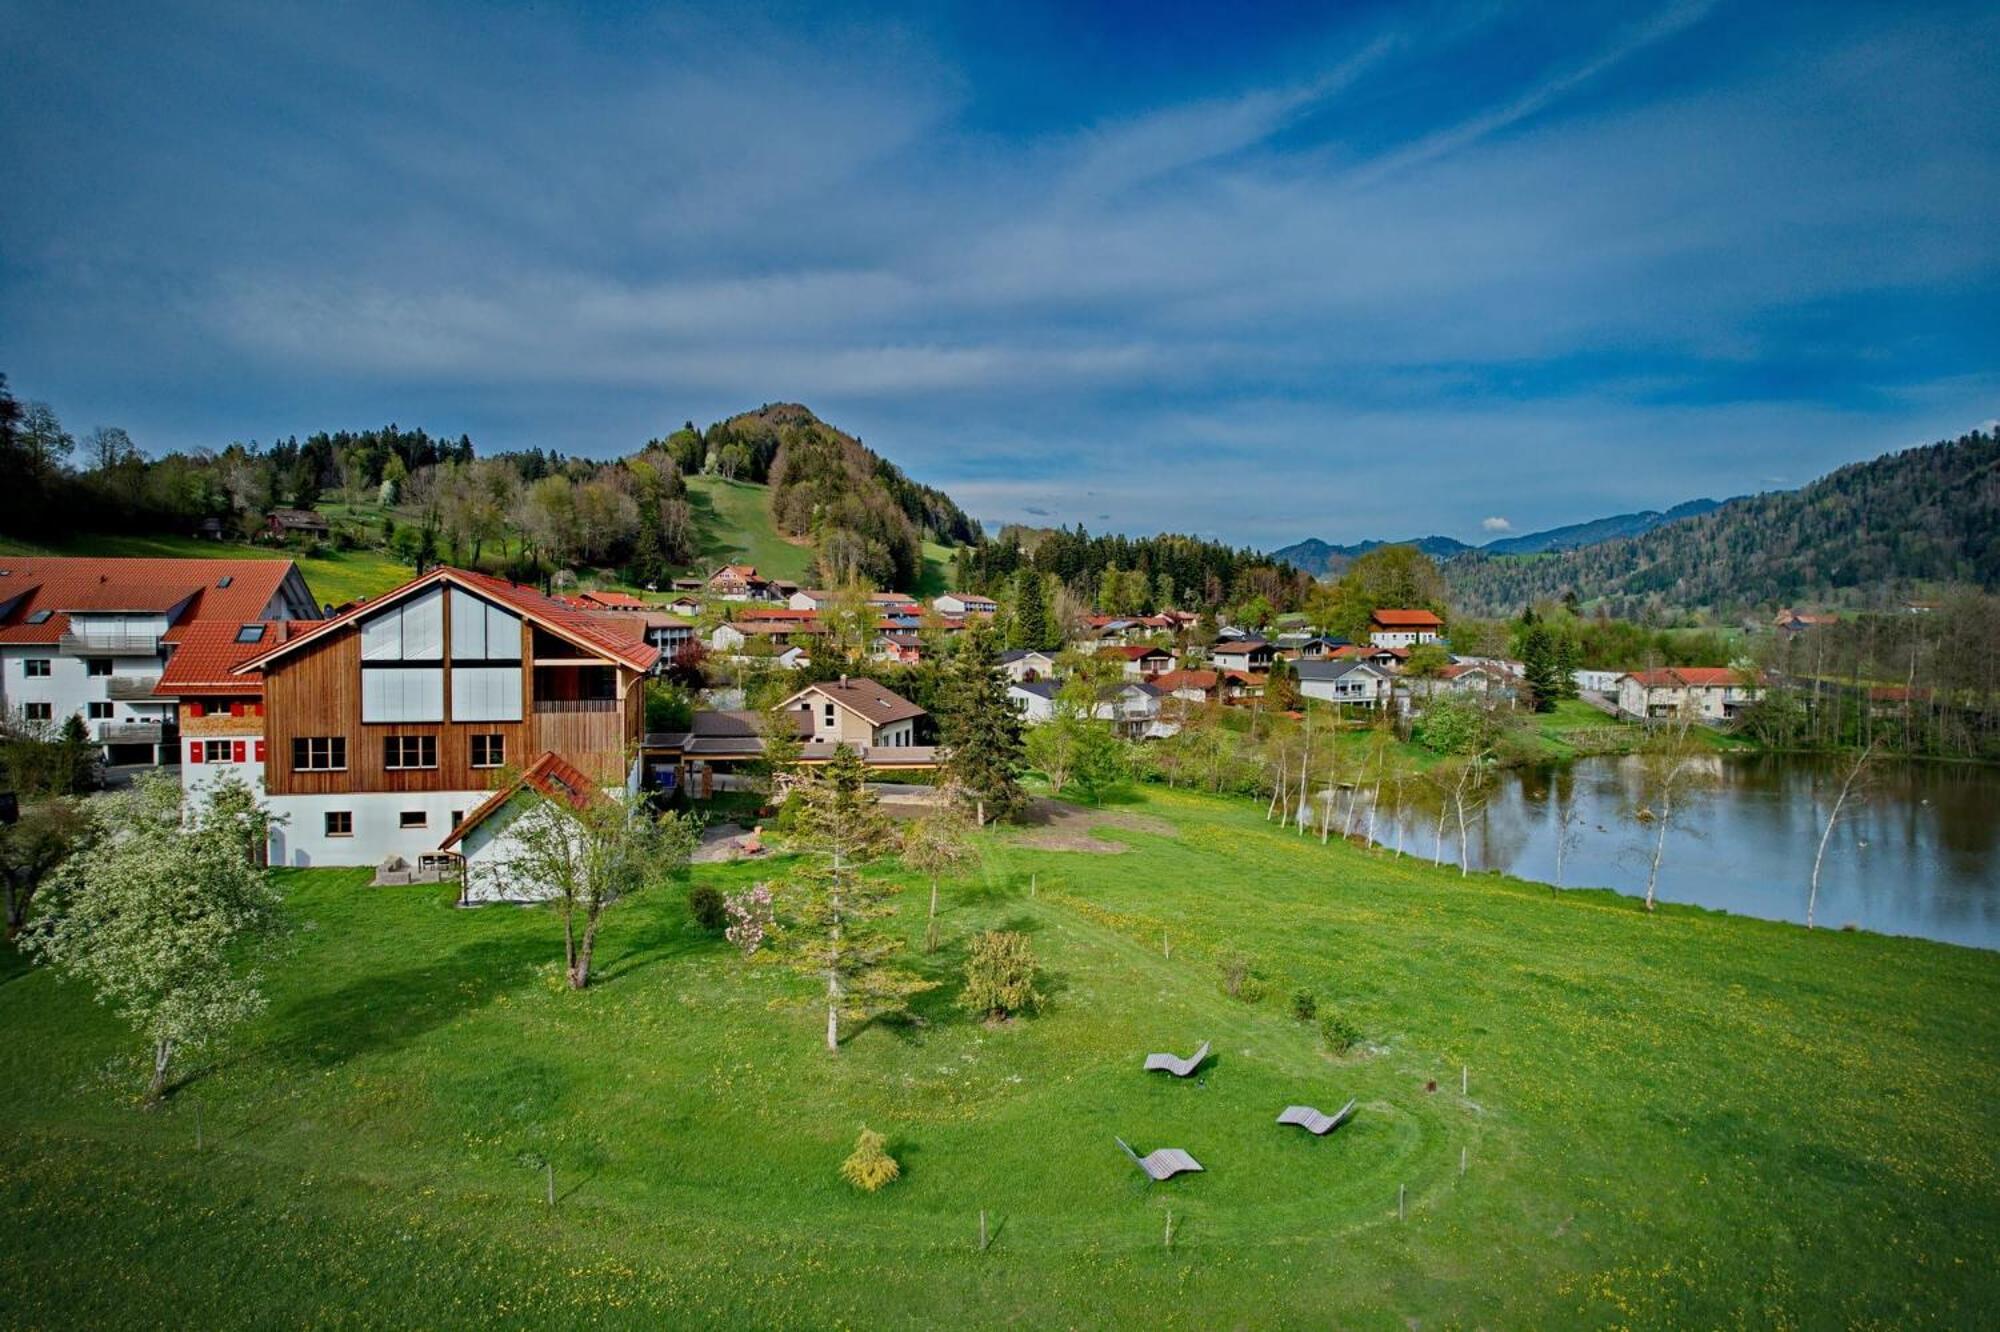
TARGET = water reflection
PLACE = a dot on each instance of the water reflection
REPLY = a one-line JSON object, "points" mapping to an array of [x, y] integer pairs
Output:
{"points": [[1917, 857]]}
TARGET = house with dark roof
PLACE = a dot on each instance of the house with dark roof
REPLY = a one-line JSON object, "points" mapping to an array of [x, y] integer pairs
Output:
{"points": [[1027, 664], [91, 638], [1347, 680], [855, 710]]}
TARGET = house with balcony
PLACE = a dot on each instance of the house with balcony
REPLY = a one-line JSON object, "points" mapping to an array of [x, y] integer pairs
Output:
{"points": [[91, 638], [1020, 664], [387, 725], [1346, 681], [1704, 693], [960, 604], [1139, 661], [1392, 628]]}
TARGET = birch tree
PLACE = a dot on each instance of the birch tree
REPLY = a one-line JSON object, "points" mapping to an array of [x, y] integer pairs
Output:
{"points": [[1853, 790], [1676, 768], [936, 845]]}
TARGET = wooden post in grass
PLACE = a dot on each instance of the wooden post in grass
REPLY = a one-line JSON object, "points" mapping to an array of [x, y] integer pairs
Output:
{"points": [[550, 1168], [1401, 1189], [1170, 1228], [1461, 1160], [1166, 949], [982, 1230], [1464, 1079]]}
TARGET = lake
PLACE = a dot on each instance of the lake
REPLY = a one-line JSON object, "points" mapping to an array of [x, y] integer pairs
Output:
{"points": [[1920, 856]]}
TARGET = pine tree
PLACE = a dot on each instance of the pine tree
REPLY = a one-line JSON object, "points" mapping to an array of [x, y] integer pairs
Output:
{"points": [[1031, 612], [980, 731], [833, 909], [1538, 658]]}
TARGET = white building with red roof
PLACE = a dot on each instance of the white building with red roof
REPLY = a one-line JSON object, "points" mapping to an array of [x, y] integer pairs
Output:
{"points": [[1705, 693], [1404, 628], [92, 638]]}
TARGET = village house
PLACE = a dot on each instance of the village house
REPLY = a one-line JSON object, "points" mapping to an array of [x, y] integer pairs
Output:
{"points": [[810, 599], [1596, 682], [1027, 664], [1404, 628], [606, 599], [1359, 683], [732, 636], [1789, 621], [684, 605], [900, 647], [91, 638], [875, 722], [1131, 706], [1707, 693], [1243, 654], [1139, 661], [742, 582], [964, 603], [1192, 686], [304, 524], [386, 725], [1478, 678]]}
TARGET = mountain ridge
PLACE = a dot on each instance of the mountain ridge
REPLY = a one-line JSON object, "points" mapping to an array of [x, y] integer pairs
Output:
{"points": [[1322, 557]]}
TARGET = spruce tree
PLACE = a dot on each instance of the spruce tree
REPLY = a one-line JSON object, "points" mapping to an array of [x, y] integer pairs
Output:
{"points": [[1031, 612], [979, 730], [1538, 659]]}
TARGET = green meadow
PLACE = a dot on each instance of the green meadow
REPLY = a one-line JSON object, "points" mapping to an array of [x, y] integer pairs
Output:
{"points": [[1688, 1119]]}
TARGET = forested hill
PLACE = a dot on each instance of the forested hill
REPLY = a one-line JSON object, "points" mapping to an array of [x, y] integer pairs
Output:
{"points": [[1321, 557], [1864, 533], [863, 515]]}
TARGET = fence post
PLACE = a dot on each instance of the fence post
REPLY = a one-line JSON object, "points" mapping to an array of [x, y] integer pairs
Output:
{"points": [[550, 1168], [982, 1230], [1401, 1189]]}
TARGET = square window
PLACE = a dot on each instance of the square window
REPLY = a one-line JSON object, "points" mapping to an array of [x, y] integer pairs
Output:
{"points": [[100, 712], [35, 668], [215, 751], [38, 711], [319, 753], [414, 818], [488, 751], [409, 751], [340, 823], [99, 665]]}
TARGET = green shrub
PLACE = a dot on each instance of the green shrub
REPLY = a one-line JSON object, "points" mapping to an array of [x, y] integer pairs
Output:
{"points": [[705, 904], [1000, 975], [1305, 1005], [1339, 1034], [1240, 979], [870, 1166]]}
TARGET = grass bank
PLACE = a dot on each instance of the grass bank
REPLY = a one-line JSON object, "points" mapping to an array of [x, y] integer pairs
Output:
{"points": [[1687, 1119]]}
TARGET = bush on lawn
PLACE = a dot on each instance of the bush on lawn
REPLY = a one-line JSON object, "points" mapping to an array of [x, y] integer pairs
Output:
{"points": [[871, 1166], [1339, 1034], [1239, 977], [1305, 1005], [1000, 975], [705, 903]]}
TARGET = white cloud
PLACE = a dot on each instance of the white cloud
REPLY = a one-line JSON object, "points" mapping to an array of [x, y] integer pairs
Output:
{"points": [[1495, 525]]}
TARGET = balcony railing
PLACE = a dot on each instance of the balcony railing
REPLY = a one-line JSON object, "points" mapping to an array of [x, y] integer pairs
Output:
{"points": [[109, 645], [131, 688], [131, 733], [576, 705]]}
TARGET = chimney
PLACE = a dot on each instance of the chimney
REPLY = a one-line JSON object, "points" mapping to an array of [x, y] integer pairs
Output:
{"points": [[843, 679]]}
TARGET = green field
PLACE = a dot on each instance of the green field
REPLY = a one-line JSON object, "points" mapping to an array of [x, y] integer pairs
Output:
{"points": [[733, 524], [1689, 1119], [338, 577]]}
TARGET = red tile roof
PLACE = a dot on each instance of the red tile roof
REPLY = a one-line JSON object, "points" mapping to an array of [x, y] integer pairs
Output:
{"points": [[1132, 651], [606, 600], [1407, 619], [59, 584], [552, 775], [208, 653], [1175, 680], [615, 634], [1675, 677]]}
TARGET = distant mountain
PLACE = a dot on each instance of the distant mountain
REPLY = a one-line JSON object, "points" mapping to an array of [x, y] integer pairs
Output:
{"points": [[1874, 529], [1320, 557], [1578, 535]]}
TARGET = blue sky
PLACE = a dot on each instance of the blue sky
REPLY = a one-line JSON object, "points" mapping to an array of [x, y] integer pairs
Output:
{"points": [[1260, 272]]}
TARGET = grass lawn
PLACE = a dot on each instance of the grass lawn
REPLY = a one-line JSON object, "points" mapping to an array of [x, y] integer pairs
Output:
{"points": [[339, 577], [1689, 1119], [733, 524]]}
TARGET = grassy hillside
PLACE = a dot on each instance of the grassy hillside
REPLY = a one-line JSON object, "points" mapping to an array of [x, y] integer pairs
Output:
{"points": [[1689, 1119], [338, 577], [733, 520]]}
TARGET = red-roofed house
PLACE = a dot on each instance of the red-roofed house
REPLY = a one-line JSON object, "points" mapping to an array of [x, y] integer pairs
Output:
{"points": [[1707, 693], [1140, 661], [1404, 628], [91, 638], [387, 724]]}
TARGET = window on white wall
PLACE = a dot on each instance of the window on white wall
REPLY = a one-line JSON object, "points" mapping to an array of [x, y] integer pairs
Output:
{"points": [[485, 693], [480, 632]]}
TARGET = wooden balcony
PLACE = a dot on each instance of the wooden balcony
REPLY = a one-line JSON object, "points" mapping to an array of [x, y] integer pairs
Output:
{"points": [[131, 688]]}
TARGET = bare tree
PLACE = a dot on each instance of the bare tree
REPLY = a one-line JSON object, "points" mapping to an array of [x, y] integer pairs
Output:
{"points": [[1853, 791], [1676, 767]]}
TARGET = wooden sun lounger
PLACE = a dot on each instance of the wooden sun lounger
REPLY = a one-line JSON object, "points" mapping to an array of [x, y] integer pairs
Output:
{"points": [[1162, 1164], [1312, 1121], [1180, 1068]]}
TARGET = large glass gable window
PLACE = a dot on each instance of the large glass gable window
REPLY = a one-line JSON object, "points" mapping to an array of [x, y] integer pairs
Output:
{"points": [[485, 661], [394, 686]]}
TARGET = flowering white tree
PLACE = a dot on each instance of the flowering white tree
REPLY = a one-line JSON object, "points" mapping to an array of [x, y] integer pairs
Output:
{"points": [[155, 915]]}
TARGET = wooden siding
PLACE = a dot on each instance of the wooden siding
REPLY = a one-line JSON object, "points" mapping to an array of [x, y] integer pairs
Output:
{"points": [[316, 691]]}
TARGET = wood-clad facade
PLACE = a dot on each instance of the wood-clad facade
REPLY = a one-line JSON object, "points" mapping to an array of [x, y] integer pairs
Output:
{"points": [[573, 700]]}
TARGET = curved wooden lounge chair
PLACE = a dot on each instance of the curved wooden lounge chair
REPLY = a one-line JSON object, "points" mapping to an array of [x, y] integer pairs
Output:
{"points": [[1180, 1068], [1162, 1164], [1312, 1121]]}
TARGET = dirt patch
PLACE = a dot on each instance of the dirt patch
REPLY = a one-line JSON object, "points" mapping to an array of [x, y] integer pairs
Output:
{"points": [[1057, 825]]}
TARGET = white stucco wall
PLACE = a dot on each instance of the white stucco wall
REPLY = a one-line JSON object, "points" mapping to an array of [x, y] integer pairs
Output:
{"points": [[301, 841]]}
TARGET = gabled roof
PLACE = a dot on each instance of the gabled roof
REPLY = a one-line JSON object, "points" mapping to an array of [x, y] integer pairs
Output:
{"points": [[615, 635], [1012, 655], [875, 703], [1239, 647], [745, 572], [607, 600], [237, 591], [1335, 668], [552, 775], [1132, 651], [1407, 619], [1176, 680], [210, 651], [1676, 677], [1039, 688]]}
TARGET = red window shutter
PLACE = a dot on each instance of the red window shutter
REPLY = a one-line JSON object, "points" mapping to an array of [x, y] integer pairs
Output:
{"points": [[195, 710], [194, 751], [237, 751], [260, 751], [236, 709]]}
